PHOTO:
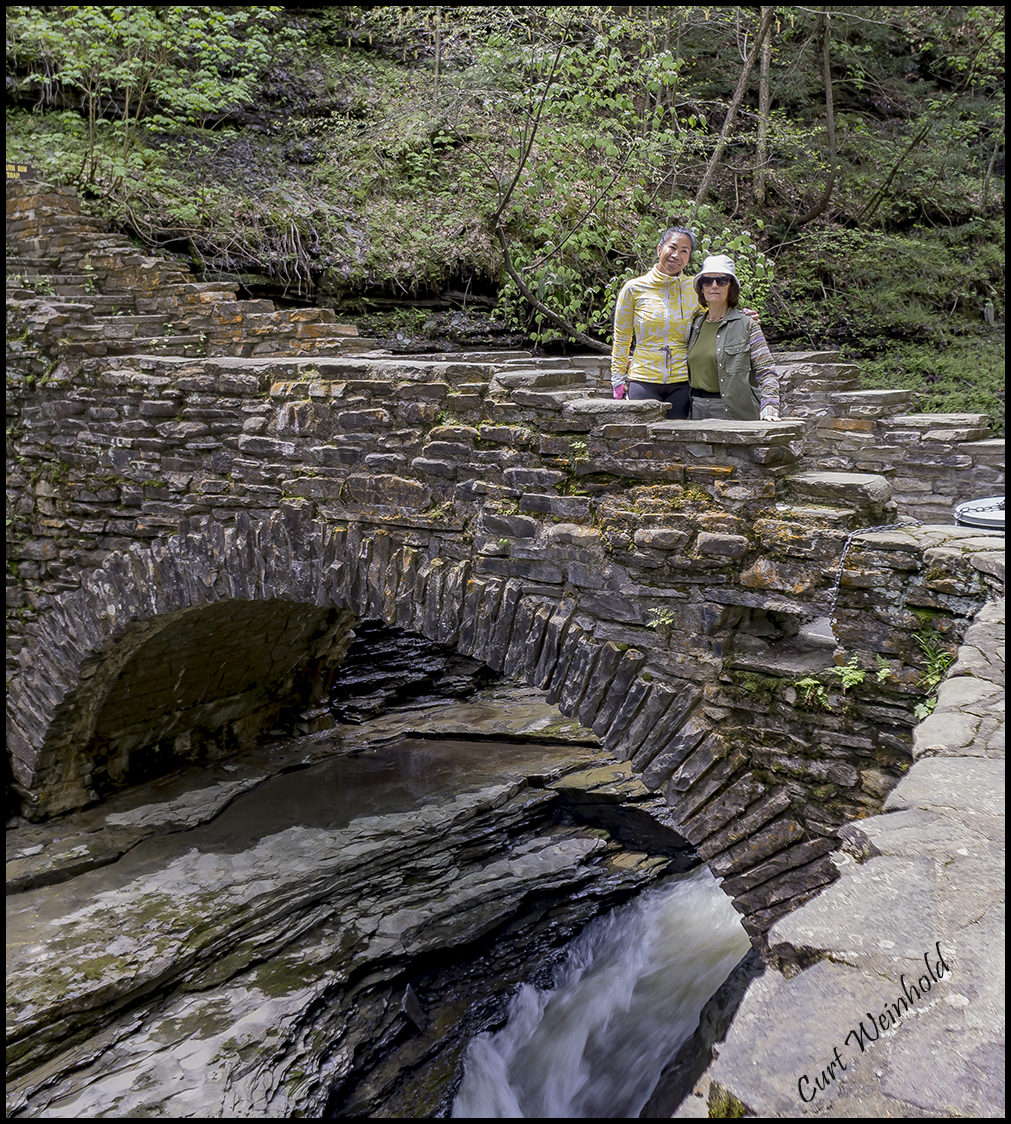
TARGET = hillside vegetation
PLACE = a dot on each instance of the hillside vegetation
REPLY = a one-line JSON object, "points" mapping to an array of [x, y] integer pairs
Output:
{"points": [[516, 163]]}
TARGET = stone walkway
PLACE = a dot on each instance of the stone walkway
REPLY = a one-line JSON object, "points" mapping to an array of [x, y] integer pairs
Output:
{"points": [[890, 999]]}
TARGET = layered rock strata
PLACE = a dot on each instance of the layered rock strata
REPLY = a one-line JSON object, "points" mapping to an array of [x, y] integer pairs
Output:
{"points": [[240, 967]]}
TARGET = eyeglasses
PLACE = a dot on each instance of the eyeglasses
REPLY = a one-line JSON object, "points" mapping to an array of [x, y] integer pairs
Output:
{"points": [[721, 281]]}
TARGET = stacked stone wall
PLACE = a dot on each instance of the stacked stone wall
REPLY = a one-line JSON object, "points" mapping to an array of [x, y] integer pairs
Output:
{"points": [[655, 577]]}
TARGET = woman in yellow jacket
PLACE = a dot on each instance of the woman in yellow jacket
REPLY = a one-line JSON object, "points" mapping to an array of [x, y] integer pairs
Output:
{"points": [[658, 309]]}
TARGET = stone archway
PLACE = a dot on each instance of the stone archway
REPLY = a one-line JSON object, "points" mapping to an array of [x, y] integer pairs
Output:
{"points": [[203, 637], [145, 656]]}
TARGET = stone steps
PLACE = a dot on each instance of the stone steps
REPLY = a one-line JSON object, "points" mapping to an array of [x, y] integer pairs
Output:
{"points": [[543, 363], [949, 428], [496, 357], [129, 326], [188, 346], [786, 357], [871, 403]]}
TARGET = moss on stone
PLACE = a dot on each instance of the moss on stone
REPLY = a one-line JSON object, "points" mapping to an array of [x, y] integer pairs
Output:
{"points": [[723, 1105]]}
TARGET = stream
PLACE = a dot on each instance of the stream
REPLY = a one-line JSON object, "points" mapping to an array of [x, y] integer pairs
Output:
{"points": [[451, 880], [627, 995]]}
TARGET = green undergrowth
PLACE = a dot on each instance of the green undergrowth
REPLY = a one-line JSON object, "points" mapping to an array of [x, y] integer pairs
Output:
{"points": [[348, 153], [963, 376]]}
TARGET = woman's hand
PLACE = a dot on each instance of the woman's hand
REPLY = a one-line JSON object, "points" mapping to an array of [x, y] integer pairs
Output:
{"points": [[769, 413], [753, 314], [620, 390]]}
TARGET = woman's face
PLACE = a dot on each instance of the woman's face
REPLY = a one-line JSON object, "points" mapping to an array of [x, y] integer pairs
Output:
{"points": [[673, 254]]}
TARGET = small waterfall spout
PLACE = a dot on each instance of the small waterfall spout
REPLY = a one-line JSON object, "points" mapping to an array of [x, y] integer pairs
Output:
{"points": [[628, 994]]}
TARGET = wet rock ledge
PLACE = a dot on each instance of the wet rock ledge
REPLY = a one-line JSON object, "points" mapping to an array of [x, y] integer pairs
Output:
{"points": [[252, 953], [890, 998]]}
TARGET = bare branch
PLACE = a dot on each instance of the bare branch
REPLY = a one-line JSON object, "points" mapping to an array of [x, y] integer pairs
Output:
{"points": [[533, 128], [735, 102], [826, 56]]}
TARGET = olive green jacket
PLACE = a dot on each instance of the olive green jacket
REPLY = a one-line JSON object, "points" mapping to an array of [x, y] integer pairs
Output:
{"points": [[748, 379]]}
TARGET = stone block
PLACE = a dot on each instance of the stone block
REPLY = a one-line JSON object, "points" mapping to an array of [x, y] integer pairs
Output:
{"points": [[745, 843], [851, 488], [512, 526], [728, 432], [381, 490], [629, 707], [181, 430], [512, 435], [385, 462], [630, 664], [788, 859], [573, 534], [563, 669], [552, 644], [596, 412], [662, 538], [428, 467], [577, 681], [673, 754], [527, 477], [521, 568], [784, 577], [601, 676], [567, 507], [493, 640], [726, 546]]}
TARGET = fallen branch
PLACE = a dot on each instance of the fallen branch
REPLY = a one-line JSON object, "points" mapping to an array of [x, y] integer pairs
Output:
{"points": [[560, 322]]}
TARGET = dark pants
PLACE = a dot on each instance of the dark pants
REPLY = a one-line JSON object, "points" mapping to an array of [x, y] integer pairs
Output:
{"points": [[675, 395], [705, 408]]}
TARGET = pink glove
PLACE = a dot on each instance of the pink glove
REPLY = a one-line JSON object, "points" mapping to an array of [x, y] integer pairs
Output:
{"points": [[619, 390]]}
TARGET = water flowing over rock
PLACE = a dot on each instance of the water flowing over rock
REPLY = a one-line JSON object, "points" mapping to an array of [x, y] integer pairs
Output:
{"points": [[628, 994], [324, 942]]}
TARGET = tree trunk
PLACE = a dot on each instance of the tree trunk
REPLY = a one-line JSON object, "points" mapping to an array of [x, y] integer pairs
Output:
{"points": [[559, 321], [875, 200], [822, 203], [764, 102], [990, 166], [735, 102], [438, 48]]}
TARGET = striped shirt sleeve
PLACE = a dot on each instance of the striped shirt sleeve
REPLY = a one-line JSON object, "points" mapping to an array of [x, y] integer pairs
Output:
{"points": [[764, 368]]}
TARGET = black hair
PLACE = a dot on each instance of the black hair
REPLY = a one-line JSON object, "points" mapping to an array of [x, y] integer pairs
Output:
{"points": [[672, 231]]}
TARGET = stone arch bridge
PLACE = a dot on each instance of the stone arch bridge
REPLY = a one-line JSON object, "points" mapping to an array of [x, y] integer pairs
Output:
{"points": [[205, 494]]}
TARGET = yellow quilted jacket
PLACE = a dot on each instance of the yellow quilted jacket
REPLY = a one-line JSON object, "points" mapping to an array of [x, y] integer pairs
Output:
{"points": [[658, 311]]}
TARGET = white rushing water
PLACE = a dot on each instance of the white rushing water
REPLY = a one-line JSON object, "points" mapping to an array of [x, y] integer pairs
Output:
{"points": [[627, 995]]}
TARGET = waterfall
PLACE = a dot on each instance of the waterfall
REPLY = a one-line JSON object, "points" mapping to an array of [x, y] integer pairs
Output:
{"points": [[627, 995]]}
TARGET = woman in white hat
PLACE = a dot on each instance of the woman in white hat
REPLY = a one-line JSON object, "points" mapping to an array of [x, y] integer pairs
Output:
{"points": [[730, 367]]}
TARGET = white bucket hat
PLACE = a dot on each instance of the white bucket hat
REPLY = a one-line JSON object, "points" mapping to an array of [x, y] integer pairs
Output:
{"points": [[716, 263]]}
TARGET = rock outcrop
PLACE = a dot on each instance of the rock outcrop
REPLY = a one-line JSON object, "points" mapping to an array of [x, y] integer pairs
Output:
{"points": [[236, 962], [888, 1000]]}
